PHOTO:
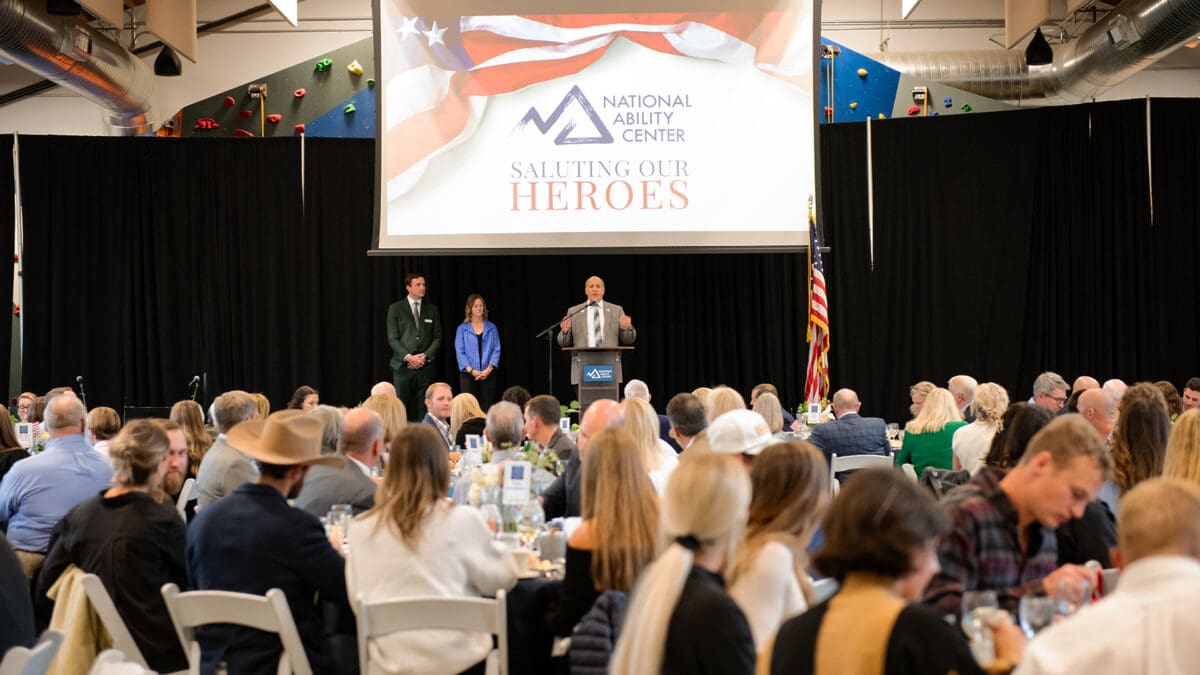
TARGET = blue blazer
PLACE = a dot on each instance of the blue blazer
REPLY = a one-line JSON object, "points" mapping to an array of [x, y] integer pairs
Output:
{"points": [[466, 346], [249, 542], [851, 435]]}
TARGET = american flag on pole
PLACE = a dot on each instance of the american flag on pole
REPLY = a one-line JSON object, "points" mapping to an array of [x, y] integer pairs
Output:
{"points": [[816, 381], [439, 71]]}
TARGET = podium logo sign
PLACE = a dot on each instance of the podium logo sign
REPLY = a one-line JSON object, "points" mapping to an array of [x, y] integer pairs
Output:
{"points": [[598, 374]]}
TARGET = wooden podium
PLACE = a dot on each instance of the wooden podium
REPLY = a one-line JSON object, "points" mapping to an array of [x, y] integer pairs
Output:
{"points": [[596, 371]]}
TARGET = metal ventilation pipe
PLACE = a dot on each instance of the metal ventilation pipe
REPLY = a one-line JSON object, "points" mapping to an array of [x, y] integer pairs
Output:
{"points": [[74, 55], [1134, 35]]}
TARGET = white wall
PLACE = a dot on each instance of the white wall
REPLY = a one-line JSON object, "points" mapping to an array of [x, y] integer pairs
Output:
{"points": [[238, 53]]}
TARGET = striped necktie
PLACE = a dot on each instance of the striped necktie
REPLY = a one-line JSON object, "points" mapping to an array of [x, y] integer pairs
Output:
{"points": [[597, 329]]}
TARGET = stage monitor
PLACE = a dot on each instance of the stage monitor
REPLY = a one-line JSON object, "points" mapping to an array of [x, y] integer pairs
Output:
{"points": [[552, 125]]}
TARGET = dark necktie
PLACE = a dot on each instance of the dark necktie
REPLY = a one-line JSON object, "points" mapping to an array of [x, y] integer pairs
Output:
{"points": [[417, 313]]}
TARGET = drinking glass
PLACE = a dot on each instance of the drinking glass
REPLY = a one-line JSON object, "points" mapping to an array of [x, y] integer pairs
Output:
{"points": [[530, 522], [493, 518], [1036, 613], [1071, 594], [976, 605]]}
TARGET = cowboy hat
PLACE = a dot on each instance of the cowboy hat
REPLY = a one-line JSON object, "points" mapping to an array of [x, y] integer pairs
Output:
{"points": [[285, 438]]}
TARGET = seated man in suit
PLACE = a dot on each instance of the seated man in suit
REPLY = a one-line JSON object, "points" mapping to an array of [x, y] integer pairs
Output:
{"points": [[849, 433], [438, 398], [251, 541], [361, 443], [542, 415], [223, 468], [562, 497]]}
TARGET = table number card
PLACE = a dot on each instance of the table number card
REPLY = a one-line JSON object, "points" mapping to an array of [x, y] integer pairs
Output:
{"points": [[25, 434], [517, 477]]}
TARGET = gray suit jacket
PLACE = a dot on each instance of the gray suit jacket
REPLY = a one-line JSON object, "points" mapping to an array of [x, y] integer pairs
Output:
{"points": [[221, 471], [325, 486], [578, 335], [851, 434]]}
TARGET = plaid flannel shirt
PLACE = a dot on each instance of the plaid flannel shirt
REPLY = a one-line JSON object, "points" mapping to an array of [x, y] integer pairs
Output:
{"points": [[982, 550]]}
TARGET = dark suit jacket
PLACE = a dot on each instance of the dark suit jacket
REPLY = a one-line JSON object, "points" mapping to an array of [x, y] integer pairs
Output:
{"points": [[428, 419], [407, 337], [325, 486], [851, 434], [664, 433], [562, 497], [252, 541]]}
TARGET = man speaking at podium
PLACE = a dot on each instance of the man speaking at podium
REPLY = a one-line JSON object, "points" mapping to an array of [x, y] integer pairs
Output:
{"points": [[595, 323]]}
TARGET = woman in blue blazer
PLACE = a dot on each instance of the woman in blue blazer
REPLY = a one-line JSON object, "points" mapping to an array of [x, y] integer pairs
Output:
{"points": [[477, 345]]}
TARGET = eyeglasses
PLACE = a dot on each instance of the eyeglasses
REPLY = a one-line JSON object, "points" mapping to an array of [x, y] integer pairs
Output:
{"points": [[1061, 400]]}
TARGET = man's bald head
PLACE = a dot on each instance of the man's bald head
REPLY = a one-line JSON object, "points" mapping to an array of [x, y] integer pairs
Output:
{"points": [[600, 415], [383, 389], [1084, 382], [1099, 409], [362, 435], [64, 415], [845, 401]]}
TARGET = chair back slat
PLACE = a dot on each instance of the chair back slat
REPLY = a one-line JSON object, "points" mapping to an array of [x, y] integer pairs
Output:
{"points": [[36, 661], [472, 615], [109, 616]]}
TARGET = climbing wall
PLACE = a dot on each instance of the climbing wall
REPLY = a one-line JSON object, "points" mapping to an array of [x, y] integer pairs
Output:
{"points": [[331, 95]]}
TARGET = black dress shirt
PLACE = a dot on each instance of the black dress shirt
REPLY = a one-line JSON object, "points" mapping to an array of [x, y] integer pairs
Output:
{"points": [[708, 632]]}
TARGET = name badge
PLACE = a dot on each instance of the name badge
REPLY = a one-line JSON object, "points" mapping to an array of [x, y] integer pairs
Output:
{"points": [[428, 320]]}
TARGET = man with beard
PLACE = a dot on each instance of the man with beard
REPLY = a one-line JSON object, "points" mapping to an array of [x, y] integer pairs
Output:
{"points": [[177, 462], [251, 541]]}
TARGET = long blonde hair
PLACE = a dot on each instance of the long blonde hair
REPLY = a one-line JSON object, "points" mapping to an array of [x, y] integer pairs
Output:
{"points": [[938, 411], [1183, 448], [707, 498], [642, 423], [391, 409], [415, 482], [190, 417], [767, 405], [722, 400], [464, 407], [790, 494], [619, 503]]}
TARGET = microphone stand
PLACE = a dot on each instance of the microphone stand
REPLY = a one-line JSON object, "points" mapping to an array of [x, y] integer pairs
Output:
{"points": [[195, 387], [548, 333], [82, 394]]}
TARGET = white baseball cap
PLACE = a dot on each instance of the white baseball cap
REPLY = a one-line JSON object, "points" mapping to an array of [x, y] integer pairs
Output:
{"points": [[739, 432]]}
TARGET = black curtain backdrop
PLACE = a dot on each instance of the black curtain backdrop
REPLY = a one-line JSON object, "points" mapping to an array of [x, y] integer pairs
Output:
{"points": [[1004, 244], [6, 244], [202, 257], [1011, 243]]}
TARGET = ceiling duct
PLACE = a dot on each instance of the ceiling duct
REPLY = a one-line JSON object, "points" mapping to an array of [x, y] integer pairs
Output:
{"points": [[1134, 35], [69, 52]]}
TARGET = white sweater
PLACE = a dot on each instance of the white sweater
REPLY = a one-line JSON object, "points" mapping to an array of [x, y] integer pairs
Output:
{"points": [[456, 557], [768, 592]]}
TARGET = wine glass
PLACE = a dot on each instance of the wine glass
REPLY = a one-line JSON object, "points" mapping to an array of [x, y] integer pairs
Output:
{"points": [[1071, 594], [976, 605], [530, 522], [1036, 613]]}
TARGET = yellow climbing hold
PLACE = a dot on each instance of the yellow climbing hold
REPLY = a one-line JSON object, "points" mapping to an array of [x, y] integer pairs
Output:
{"points": [[854, 106], [862, 72]]}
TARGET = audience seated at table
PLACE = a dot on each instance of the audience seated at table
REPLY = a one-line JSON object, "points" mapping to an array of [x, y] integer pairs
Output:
{"points": [[10, 447], [391, 409], [361, 444], [102, 423], [685, 413], [1140, 437], [224, 468], [721, 400], [881, 546], [1149, 624], [416, 543], [562, 498], [618, 535], [680, 619], [790, 489], [928, 438], [658, 457], [1182, 458], [917, 394], [466, 418], [134, 544], [190, 417], [542, 415]]}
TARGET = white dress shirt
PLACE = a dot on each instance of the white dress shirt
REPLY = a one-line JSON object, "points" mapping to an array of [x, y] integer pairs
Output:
{"points": [[1147, 626]]}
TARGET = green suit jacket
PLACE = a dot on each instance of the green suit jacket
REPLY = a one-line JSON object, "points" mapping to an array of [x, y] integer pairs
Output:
{"points": [[408, 337]]}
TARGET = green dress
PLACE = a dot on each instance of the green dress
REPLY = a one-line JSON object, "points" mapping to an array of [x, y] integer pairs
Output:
{"points": [[930, 448]]}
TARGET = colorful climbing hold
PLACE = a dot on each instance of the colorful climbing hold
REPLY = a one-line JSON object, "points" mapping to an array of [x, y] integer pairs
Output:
{"points": [[966, 107], [371, 82], [274, 118], [947, 102], [206, 123], [242, 133], [299, 93], [862, 72], [854, 105], [933, 114], [229, 101], [323, 65], [355, 68], [914, 110], [299, 128], [349, 108], [882, 116], [246, 114]]}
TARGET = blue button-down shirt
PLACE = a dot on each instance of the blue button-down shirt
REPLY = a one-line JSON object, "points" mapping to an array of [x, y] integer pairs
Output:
{"points": [[37, 492]]}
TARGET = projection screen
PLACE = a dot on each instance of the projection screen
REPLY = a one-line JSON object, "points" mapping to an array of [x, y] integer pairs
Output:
{"points": [[542, 125]]}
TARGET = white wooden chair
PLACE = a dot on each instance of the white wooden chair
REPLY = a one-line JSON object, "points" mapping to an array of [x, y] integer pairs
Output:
{"points": [[268, 613], [474, 615], [909, 472], [122, 639], [185, 495], [112, 662], [853, 463], [36, 661], [823, 589]]}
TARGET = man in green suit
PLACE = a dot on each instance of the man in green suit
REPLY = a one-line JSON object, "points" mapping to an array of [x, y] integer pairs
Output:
{"points": [[414, 331]]}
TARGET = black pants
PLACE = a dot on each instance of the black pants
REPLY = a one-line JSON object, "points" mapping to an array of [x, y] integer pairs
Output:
{"points": [[410, 388], [484, 391]]}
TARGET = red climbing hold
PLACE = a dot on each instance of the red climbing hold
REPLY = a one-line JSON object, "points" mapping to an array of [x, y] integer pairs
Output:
{"points": [[243, 133], [274, 119], [299, 93], [914, 110], [246, 114], [299, 128], [206, 123], [229, 101]]}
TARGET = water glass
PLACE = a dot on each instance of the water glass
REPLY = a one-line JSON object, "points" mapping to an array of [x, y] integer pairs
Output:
{"points": [[493, 517], [530, 522], [1036, 613], [1071, 595], [975, 605]]}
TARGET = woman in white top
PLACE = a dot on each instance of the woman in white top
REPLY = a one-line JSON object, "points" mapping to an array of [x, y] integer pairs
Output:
{"points": [[642, 423], [971, 443], [790, 493], [416, 543]]}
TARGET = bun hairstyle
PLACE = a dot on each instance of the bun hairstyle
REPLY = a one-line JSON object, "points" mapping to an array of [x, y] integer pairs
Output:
{"points": [[136, 452]]}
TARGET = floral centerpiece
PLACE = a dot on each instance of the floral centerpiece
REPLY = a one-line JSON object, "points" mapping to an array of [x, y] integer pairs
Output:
{"points": [[487, 480]]}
